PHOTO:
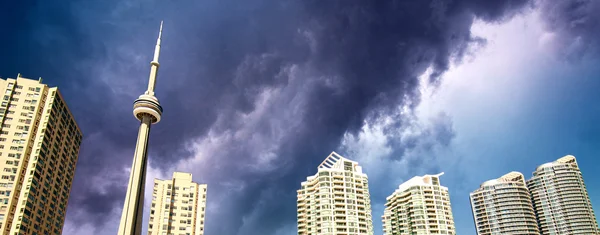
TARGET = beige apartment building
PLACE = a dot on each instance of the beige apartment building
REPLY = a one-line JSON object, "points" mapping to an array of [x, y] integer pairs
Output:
{"points": [[39, 148], [561, 200], [178, 206], [503, 207], [336, 200], [420, 206]]}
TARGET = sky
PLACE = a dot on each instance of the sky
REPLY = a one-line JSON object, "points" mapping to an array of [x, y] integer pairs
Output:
{"points": [[257, 93]]}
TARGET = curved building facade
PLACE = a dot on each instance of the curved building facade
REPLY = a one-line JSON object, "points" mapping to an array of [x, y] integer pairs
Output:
{"points": [[503, 206], [336, 200], [561, 200]]}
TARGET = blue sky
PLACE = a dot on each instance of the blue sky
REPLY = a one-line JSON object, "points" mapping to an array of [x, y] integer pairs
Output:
{"points": [[257, 93], [513, 106]]}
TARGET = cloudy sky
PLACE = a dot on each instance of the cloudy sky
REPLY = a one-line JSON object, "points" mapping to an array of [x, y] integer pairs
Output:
{"points": [[257, 93]]}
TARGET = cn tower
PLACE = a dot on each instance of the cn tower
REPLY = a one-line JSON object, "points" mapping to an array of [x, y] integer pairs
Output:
{"points": [[147, 109]]}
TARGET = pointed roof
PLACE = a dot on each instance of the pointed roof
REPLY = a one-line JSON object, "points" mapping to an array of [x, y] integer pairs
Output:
{"points": [[332, 160], [338, 163]]}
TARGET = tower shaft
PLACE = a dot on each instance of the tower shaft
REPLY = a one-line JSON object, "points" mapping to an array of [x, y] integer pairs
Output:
{"points": [[147, 109], [131, 219]]}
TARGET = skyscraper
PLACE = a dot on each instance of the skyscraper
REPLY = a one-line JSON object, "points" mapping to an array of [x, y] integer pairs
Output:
{"points": [[39, 148], [420, 206], [335, 200], [503, 207], [148, 111], [178, 206], [561, 200]]}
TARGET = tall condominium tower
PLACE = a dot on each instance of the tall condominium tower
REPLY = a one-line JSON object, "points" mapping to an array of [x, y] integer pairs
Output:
{"points": [[503, 207], [39, 148], [178, 206], [561, 200], [335, 200], [419, 206]]}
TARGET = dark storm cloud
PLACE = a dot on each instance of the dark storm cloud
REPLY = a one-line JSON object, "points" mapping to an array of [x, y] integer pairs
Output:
{"points": [[52, 40], [327, 65], [364, 59], [575, 24]]}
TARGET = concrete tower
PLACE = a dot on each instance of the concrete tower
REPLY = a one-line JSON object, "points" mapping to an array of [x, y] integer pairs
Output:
{"points": [[147, 109]]}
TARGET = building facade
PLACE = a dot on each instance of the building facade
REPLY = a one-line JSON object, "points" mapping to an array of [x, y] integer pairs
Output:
{"points": [[420, 206], [178, 206], [561, 200], [39, 149], [336, 200], [503, 207]]}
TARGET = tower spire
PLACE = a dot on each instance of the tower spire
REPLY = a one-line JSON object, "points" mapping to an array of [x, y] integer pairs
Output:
{"points": [[157, 48], [148, 111], [154, 64]]}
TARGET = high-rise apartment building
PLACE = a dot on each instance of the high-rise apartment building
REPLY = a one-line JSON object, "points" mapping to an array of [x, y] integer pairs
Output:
{"points": [[178, 206], [336, 200], [39, 148], [420, 206], [561, 200], [503, 207]]}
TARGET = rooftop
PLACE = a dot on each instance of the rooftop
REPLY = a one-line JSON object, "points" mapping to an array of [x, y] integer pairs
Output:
{"points": [[425, 180], [511, 176], [563, 160]]}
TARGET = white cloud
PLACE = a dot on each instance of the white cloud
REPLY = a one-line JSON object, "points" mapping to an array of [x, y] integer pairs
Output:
{"points": [[371, 141], [473, 94]]}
